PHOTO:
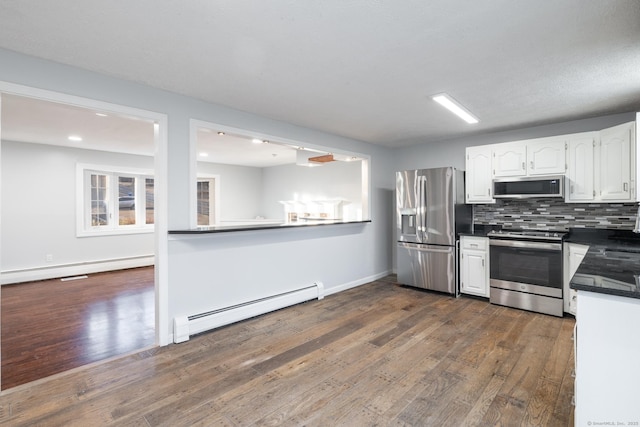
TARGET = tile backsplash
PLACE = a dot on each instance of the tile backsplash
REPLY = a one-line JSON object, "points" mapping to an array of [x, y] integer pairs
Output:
{"points": [[553, 214]]}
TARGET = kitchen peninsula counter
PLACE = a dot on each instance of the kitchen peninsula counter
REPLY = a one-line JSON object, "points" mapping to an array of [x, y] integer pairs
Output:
{"points": [[608, 308], [267, 226], [611, 265]]}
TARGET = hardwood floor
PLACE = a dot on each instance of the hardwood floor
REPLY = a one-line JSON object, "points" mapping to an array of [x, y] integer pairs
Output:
{"points": [[379, 354], [52, 326]]}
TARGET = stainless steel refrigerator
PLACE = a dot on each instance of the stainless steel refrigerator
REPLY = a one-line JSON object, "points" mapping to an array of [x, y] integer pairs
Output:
{"points": [[430, 212]]}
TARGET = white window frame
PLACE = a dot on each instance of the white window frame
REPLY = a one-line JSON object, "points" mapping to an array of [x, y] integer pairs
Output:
{"points": [[83, 199], [214, 197]]}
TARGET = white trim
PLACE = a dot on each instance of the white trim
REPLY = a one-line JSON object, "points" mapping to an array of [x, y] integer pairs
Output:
{"points": [[193, 173], [216, 196], [161, 154], [363, 281], [161, 207], [82, 197], [77, 101], [73, 269]]}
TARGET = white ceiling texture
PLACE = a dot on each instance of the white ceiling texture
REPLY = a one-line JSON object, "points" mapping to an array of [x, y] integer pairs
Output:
{"points": [[364, 69]]}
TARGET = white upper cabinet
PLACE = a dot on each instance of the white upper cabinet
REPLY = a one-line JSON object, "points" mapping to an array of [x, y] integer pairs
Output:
{"points": [[478, 175], [546, 156], [510, 159], [615, 165], [599, 166], [580, 161]]}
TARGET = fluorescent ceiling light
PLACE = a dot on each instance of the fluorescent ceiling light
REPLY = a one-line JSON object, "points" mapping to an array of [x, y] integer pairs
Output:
{"points": [[203, 154], [257, 141], [74, 138], [447, 102]]}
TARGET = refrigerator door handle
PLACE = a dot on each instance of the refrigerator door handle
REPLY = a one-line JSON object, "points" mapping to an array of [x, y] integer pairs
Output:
{"points": [[423, 208], [418, 193]]}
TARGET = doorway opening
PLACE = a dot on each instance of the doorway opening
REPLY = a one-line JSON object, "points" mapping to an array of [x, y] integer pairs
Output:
{"points": [[48, 237]]}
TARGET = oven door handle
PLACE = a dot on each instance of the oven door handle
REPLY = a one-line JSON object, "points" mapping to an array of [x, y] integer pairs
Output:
{"points": [[526, 245]]}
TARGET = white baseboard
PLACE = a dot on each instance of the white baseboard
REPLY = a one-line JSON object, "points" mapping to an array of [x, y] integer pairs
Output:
{"points": [[355, 283], [67, 270], [185, 326]]}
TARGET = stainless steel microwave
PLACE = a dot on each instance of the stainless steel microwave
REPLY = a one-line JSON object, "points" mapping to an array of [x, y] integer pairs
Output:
{"points": [[528, 187]]}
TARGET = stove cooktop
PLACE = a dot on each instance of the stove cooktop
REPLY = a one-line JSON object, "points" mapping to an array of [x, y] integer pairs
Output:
{"points": [[528, 234]]}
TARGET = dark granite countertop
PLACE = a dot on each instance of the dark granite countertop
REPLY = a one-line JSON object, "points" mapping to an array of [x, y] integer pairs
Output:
{"points": [[612, 263], [480, 230], [270, 226]]}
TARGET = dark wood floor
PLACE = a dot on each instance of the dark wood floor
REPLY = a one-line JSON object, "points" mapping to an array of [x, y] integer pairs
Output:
{"points": [[378, 354], [52, 326]]}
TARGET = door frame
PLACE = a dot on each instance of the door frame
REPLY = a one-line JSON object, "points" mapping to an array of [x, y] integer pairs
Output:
{"points": [[160, 126]]}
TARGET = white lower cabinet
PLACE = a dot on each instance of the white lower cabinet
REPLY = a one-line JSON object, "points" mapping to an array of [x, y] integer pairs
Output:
{"points": [[607, 354], [574, 254], [474, 266]]}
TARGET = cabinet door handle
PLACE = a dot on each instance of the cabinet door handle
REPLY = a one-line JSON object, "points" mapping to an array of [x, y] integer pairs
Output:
{"points": [[572, 189], [531, 163], [483, 263], [523, 167], [625, 186]]}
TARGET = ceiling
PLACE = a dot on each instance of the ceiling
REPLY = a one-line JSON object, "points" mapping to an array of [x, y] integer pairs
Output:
{"points": [[364, 69]]}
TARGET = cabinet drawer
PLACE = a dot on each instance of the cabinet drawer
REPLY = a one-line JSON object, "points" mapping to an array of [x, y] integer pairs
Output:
{"points": [[477, 243]]}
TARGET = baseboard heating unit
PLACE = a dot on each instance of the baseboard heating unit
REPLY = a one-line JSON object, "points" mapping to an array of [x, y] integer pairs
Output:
{"points": [[185, 326]]}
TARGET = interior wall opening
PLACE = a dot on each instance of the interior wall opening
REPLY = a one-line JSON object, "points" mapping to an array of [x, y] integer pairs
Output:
{"points": [[49, 240]]}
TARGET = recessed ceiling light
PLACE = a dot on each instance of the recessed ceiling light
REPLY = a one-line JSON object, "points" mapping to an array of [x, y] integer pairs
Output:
{"points": [[257, 141], [74, 138], [101, 115], [221, 133], [203, 154], [447, 102]]}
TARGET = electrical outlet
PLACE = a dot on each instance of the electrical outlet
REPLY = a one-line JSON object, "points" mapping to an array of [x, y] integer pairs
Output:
{"points": [[48, 257]]}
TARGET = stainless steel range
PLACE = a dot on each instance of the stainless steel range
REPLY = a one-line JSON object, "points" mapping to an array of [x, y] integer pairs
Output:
{"points": [[526, 270]]}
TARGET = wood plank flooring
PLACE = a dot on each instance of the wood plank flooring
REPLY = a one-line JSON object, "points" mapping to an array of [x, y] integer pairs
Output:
{"points": [[52, 326], [379, 354]]}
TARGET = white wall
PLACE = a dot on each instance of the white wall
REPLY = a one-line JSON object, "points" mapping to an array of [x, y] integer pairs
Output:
{"points": [[39, 209], [240, 188], [336, 180], [215, 270]]}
